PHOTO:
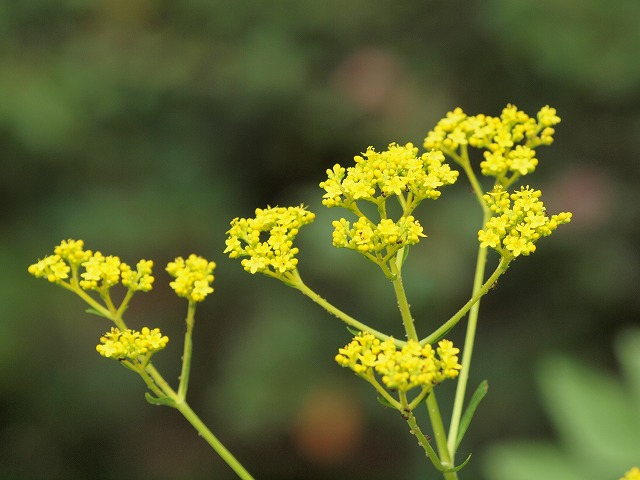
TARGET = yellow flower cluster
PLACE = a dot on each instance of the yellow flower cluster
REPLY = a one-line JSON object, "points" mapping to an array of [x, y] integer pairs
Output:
{"points": [[520, 220], [267, 239], [131, 344], [100, 272], [365, 236], [633, 474], [378, 175], [509, 140], [140, 279], [193, 277], [400, 369]]}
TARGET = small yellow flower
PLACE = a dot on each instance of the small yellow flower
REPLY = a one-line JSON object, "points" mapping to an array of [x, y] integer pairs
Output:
{"points": [[401, 369], [267, 239], [397, 171], [508, 140], [70, 263], [72, 251], [131, 344], [52, 267], [100, 272], [520, 220], [193, 277], [365, 236], [140, 279]]}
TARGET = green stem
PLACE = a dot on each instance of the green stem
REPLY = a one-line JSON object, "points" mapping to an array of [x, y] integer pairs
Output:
{"points": [[156, 382], [410, 418], [475, 298], [440, 435], [186, 353], [380, 389], [125, 303], [403, 303], [463, 161], [302, 287], [467, 350]]}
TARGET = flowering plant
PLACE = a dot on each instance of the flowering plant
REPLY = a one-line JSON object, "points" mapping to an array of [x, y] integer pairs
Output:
{"points": [[381, 192]]}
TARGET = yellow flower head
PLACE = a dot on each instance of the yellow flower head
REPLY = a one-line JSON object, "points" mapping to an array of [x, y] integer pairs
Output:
{"points": [[365, 236], [193, 277], [633, 474], [70, 263], [131, 344], [101, 272], [401, 369], [140, 279], [519, 220], [508, 140], [395, 171], [267, 239], [57, 267]]}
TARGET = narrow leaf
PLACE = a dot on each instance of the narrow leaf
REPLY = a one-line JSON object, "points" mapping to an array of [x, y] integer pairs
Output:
{"points": [[354, 331], [164, 400], [93, 311], [476, 398], [384, 402], [459, 467]]}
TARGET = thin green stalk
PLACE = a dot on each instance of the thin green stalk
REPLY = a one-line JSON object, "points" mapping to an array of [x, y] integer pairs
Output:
{"points": [[467, 350], [423, 440], [440, 435], [403, 303], [380, 389], [302, 287], [210, 438], [186, 353], [475, 298]]}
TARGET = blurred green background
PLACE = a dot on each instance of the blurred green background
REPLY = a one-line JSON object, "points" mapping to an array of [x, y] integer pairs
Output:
{"points": [[145, 127]]}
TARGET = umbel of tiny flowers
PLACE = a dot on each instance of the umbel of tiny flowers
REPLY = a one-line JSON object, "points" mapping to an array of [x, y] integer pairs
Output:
{"points": [[193, 277], [519, 220], [508, 140], [400, 369], [267, 240], [377, 177], [84, 272], [131, 345]]}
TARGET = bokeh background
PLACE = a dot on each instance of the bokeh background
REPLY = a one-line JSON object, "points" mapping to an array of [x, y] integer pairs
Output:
{"points": [[145, 127]]}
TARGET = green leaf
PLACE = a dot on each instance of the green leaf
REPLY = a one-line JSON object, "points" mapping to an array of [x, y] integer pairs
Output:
{"points": [[593, 414], [405, 254], [93, 311], [459, 467], [385, 403], [164, 400], [354, 331], [476, 398]]}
